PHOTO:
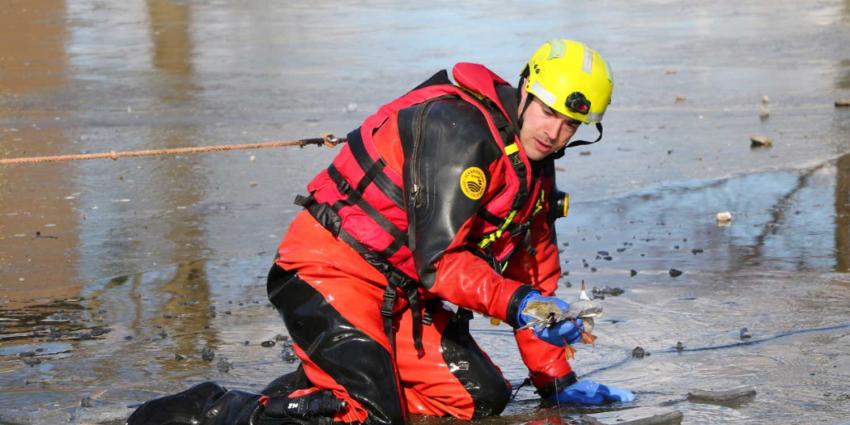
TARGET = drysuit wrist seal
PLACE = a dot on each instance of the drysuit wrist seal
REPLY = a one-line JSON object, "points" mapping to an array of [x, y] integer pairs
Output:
{"points": [[552, 389]]}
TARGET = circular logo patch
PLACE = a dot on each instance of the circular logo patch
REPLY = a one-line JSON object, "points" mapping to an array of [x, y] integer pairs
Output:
{"points": [[473, 182]]}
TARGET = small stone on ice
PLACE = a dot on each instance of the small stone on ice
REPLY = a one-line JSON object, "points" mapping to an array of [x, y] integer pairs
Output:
{"points": [[723, 217], [207, 354], [760, 142]]}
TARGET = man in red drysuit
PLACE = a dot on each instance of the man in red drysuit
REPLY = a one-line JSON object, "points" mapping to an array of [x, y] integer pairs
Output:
{"points": [[442, 203]]}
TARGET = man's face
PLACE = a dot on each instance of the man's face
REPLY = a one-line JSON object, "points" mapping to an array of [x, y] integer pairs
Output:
{"points": [[544, 130]]}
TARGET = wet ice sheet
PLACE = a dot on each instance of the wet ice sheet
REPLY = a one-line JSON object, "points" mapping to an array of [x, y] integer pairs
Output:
{"points": [[182, 309]]}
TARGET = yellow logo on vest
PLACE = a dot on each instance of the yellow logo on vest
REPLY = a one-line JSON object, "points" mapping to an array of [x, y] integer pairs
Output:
{"points": [[473, 182]]}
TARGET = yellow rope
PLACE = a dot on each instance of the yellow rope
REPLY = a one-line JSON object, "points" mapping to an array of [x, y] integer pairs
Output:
{"points": [[326, 140]]}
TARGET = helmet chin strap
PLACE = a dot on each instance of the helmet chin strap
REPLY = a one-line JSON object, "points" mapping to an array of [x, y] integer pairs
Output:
{"points": [[575, 143], [585, 142]]}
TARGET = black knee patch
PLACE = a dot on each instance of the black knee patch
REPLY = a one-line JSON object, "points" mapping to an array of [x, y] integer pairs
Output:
{"points": [[185, 408], [480, 377], [286, 384], [347, 354]]}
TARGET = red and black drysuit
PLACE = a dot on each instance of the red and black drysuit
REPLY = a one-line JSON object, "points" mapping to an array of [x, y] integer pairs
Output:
{"points": [[432, 199]]}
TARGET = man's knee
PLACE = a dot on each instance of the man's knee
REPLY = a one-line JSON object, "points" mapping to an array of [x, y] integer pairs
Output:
{"points": [[491, 396], [186, 407]]}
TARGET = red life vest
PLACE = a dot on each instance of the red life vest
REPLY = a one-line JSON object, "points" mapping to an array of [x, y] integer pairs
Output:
{"points": [[363, 202]]}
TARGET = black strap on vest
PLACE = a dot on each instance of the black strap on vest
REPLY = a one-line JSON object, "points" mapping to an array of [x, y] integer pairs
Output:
{"points": [[355, 197], [358, 149]]}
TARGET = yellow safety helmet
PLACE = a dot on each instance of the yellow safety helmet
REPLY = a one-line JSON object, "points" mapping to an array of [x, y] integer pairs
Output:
{"points": [[570, 78]]}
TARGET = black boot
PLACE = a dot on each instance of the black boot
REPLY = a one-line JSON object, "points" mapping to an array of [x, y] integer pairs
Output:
{"points": [[211, 404]]}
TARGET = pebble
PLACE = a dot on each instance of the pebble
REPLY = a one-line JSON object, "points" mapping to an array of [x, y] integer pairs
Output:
{"points": [[633, 272], [842, 103], [760, 142], [696, 251], [267, 344], [612, 291], [224, 366], [723, 217], [99, 331], [638, 352], [207, 354], [281, 337], [31, 361], [675, 273], [288, 355], [86, 402], [745, 333], [679, 346], [179, 357]]}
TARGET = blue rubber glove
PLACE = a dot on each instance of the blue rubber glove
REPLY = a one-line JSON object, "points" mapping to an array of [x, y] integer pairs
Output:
{"points": [[589, 392], [560, 333]]}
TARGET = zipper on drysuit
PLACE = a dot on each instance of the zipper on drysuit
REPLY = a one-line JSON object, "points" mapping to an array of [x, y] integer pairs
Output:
{"points": [[416, 190]]}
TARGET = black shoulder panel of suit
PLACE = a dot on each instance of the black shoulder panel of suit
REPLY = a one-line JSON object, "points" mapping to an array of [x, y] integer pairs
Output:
{"points": [[441, 139], [441, 77], [508, 98]]}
